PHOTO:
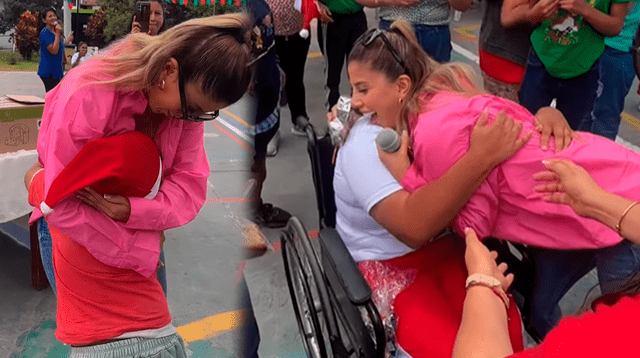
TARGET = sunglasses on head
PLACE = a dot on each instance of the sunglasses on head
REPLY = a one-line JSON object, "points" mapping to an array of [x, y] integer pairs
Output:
{"points": [[198, 116], [370, 36]]}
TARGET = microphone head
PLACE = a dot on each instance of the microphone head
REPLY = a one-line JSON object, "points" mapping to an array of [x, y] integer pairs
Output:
{"points": [[388, 140]]}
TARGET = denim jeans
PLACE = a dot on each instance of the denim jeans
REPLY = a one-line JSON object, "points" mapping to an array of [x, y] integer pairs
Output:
{"points": [[558, 270], [44, 237], [616, 76], [435, 40], [574, 96]]}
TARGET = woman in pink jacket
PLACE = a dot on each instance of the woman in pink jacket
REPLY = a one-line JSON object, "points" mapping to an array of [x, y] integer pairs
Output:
{"points": [[106, 248]]}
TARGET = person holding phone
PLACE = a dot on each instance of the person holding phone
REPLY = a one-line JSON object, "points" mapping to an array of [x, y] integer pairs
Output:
{"points": [[151, 21], [50, 68]]}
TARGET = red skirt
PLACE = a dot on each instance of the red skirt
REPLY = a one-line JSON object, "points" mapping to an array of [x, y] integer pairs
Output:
{"points": [[429, 310]]}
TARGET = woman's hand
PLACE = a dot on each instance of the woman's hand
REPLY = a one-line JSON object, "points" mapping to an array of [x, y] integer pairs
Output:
{"points": [[325, 13], [397, 163], [135, 26], [551, 122], [480, 260], [543, 10], [28, 176], [568, 183], [116, 207], [497, 141]]}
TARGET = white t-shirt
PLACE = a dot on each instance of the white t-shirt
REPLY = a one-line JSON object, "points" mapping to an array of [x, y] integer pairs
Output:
{"points": [[75, 56], [360, 182]]}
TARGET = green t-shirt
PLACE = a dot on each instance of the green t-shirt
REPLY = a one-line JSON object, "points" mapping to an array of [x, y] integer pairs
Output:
{"points": [[567, 45], [342, 6]]}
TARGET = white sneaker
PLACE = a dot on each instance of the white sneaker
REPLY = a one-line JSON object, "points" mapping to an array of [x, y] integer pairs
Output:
{"points": [[274, 143]]}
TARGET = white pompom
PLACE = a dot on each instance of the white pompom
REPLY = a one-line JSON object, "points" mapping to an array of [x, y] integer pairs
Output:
{"points": [[304, 33], [46, 210]]}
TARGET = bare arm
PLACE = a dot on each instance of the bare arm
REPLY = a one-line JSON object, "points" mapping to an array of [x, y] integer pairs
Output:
{"points": [[607, 24], [516, 12], [484, 330], [415, 218], [460, 5], [568, 183], [55, 46]]}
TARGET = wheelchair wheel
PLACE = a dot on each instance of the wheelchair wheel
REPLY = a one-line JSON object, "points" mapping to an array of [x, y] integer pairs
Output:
{"points": [[305, 295]]}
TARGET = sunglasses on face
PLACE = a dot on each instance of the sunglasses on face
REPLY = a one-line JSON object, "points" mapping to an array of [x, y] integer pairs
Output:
{"points": [[197, 116], [368, 37]]}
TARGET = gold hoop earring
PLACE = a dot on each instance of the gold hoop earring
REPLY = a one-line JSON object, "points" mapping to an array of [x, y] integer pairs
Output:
{"points": [[161, 85]]}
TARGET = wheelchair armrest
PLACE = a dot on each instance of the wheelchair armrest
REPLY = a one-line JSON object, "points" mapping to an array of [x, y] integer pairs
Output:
{"points": [[346, 269]]}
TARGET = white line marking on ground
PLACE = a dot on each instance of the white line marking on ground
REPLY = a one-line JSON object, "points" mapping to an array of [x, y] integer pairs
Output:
{"points": [[235, 130], [466, 53], [211, 135]]}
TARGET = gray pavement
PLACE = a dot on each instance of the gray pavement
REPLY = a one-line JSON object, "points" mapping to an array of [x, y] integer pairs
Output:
{"points": [[201, 257], [289, 185]]}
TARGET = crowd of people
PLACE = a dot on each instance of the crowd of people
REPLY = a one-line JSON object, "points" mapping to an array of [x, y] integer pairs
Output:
{"points": [[476, 161]]}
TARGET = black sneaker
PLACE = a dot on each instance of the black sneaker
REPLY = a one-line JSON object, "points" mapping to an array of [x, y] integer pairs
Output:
{"points": [[270, 216]]}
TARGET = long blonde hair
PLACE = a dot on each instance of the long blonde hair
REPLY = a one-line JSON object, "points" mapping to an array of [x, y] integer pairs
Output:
{"points": [[426, 74], [211, 51]]}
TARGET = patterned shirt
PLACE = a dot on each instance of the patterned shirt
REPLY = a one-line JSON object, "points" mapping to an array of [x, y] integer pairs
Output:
{"points": [[286, 19], [426, 12]]}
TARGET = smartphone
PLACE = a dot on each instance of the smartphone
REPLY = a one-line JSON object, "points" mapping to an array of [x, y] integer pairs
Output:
{"points": [[143, 11]]}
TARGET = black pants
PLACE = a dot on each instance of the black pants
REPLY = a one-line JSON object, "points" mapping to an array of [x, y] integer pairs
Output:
{"points": [[341, 34], [50, 82], [292, 54]]}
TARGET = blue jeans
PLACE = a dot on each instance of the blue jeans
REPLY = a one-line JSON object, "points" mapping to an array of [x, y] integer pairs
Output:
{"points": [[435, 40], [574, 96], [558, 270], [616, 76], [44, 237]]}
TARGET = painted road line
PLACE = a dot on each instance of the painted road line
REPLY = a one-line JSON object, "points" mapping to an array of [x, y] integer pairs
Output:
{"points": [[466, 53], [243, 145], [211, 326], [211, 135], [235, 130], [467, 32], [631, 120], [234, 117], [230, 200], [314, 55]]}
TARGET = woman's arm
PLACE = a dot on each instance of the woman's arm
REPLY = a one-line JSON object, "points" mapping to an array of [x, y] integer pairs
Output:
{"points": [[484, 330], [54, 47], [568, 183], [607, 24], [183, 190], [415, 218], [516, 12]]}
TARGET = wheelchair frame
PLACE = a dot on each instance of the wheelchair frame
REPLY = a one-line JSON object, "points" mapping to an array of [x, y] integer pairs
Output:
{"points": [[328, 291]]}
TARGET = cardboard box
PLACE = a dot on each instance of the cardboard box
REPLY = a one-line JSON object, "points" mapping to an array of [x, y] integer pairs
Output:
{"points": [[20, 118]]}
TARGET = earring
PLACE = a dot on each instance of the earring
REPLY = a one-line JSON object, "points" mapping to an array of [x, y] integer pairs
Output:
{"points": [[400, 100], [161, 85]]}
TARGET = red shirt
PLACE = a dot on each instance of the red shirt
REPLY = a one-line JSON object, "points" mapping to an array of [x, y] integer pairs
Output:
{"points": [[609, 332], [97, 302]]}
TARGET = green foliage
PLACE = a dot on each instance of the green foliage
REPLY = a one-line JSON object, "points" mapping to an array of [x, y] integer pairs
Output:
{"points": [[10, 15], [119, 15], [95, 28], [26, 35], [13, 58]]}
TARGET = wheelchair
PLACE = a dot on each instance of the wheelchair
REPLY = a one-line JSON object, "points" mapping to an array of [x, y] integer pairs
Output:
{"points": [[332, 301]]}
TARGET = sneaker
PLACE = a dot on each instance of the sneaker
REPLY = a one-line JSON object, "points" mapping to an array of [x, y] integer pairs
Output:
{"points": [[299, 131], [274, 143], [270, 216]]}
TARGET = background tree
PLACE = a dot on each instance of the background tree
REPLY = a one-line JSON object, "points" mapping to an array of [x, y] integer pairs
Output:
{"points": [[95, 28], [26, 35], [10, 15]]}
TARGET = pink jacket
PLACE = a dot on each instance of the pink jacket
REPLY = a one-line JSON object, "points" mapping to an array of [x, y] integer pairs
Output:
{"points": [[75, 114], [505, 205]]}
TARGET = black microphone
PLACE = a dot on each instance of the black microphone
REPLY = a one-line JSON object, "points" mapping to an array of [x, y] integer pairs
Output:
{"points": [[388, 140]]}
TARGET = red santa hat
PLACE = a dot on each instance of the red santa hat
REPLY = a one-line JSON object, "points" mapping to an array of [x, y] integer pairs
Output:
{"points": [[309, 11], [126, 164]]}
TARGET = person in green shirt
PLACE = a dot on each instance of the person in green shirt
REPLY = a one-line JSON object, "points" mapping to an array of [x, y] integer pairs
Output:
{"points": [[342, 22], [564, 61]]}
